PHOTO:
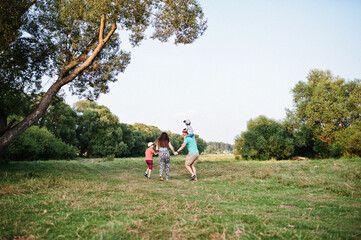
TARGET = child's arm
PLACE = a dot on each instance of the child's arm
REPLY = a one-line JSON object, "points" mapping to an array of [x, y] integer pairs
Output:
{"points": [[156, 153]]}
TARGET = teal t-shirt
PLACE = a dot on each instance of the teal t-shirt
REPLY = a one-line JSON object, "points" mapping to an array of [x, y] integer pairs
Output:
{"points": [[191, 145]]}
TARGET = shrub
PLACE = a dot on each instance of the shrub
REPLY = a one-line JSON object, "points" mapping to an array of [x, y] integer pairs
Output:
{"points": [[266, 141], [110, 157], [349, 140], [38, 144]]}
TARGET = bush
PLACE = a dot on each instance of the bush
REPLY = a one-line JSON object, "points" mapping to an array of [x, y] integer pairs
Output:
{"points": [[264, 142], [349, 141], [38, 144], [110, 158]]}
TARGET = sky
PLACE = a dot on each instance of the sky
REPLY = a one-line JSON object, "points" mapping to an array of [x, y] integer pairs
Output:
{"points": [[245, 65]]}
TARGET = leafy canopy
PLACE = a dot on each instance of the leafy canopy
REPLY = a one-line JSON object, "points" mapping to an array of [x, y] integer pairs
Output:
{"points": [[327, 104]]}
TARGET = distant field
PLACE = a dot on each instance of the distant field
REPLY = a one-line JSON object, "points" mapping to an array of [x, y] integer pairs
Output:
{"points": [[95, 199]]}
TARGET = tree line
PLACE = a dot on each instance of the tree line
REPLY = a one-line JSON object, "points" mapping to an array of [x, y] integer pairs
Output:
{"points": [[325, 122], [86, 130], [218, 147]]}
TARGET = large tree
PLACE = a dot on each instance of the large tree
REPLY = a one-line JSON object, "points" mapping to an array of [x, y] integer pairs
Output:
{"points": [[77, 41], [325, 104]]}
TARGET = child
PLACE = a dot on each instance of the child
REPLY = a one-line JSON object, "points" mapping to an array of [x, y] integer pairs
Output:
{"points": [[189, 128], [149, 159]]}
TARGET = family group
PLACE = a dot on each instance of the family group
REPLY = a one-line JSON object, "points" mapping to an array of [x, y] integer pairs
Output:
{"points": [[163, 143]]}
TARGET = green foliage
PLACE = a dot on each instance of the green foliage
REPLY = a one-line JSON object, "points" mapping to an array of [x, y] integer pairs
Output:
{"points": [[93, 130], [264, 141], [260, 120], [110, 158], [140, 144], [349, 141], [59, 32], [61, 120], [150, 133], [38, 144], [327, 104], [326, 115], [67, 40], [304, 142], [218, 147], [99, 137]]}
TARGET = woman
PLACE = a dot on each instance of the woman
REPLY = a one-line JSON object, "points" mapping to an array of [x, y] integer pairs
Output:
{"points": [[162, 144]]}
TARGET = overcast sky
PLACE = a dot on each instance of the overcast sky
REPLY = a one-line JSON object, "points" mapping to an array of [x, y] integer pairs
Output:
{"points": [[245, 65]]}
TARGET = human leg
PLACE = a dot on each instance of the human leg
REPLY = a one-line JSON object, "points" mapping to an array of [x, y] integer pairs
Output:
{"points": [[161, 167], [149, 169], [190, 159], [193, 166], [189, 169], [167, 164]]}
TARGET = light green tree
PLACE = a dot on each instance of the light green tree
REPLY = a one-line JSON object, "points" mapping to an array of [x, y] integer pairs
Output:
{"points": [[151, 133], [326, 104]]}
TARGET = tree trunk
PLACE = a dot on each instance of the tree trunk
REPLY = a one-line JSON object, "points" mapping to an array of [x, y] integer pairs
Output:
{"points": [[3, 123], [11, 134]]}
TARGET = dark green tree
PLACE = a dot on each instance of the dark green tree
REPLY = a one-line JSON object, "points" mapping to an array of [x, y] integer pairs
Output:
{"points": [[38, 144], [304, 142], [140, 144], [128, 139], [99, 132], [265, 140], [61, 120]]}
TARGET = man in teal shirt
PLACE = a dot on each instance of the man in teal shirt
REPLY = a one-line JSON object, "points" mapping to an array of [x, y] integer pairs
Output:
{"points": [[193, 154]]}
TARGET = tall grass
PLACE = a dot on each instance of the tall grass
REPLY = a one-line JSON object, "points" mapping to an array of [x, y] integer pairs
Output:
{"points": [[98, 199]]}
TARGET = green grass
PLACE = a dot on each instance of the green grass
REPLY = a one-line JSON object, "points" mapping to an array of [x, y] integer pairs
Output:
{"points": [[97, 199]]}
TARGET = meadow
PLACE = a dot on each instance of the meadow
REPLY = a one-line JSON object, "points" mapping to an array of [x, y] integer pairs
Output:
{"points": [[99, 199]]}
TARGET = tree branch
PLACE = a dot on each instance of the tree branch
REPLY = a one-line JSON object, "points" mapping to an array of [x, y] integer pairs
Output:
{"points": [[114, 27], [101, 30]]}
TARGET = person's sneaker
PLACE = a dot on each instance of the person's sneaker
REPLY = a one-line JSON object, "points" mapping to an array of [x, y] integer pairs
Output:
{"points": [[149, 177], [146, 175], [160, 178], [193, 177]]}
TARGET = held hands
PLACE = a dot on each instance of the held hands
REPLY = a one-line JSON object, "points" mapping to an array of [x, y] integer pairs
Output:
{"points": [[176, 153]]}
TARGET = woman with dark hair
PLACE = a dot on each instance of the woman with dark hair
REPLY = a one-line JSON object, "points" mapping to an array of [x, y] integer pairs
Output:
{"points": [[162, 144]]}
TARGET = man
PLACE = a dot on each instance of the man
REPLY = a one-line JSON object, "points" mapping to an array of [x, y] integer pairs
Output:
{"points": [[193, 154]]}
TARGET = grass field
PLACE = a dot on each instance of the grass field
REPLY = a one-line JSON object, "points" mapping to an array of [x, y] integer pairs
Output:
{"points": [[96, 199]]}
